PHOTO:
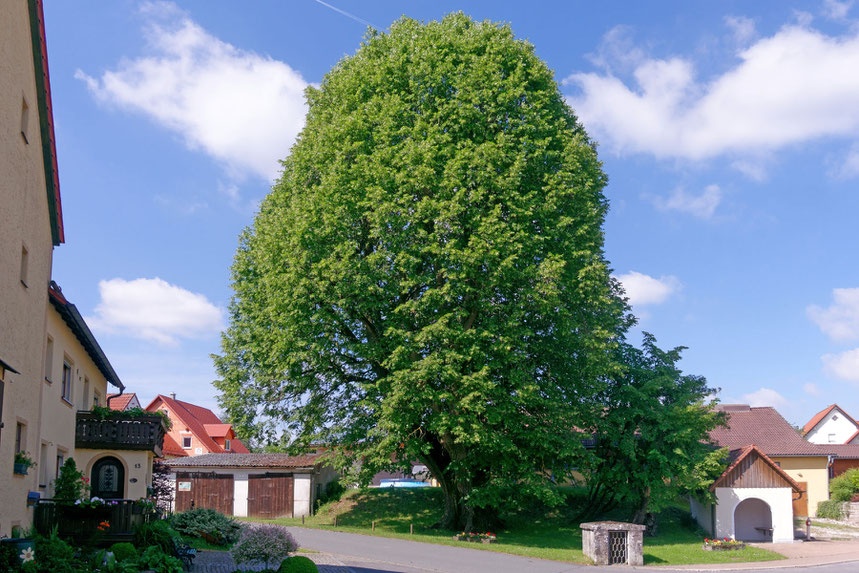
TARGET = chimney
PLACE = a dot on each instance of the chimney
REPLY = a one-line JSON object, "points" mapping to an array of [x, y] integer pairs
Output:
{"points": [[173, 395]]}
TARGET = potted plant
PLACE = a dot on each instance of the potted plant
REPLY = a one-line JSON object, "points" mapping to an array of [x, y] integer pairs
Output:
{"points": [[23, 462]]}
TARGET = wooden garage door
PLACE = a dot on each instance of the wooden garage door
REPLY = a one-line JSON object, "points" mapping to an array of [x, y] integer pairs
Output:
{"points": [[206, 490], [800, 506], [270, 495]]}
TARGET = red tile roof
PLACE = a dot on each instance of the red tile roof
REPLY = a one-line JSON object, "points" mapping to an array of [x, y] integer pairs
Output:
{"points": [[765, 428], [740, 455], [248, 461], [825, 412], [853, 437], [171, 448], [218, 430], [196, 418], [119, 401]]}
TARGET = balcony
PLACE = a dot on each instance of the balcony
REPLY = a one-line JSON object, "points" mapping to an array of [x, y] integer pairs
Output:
{"points": [[135, 433]]}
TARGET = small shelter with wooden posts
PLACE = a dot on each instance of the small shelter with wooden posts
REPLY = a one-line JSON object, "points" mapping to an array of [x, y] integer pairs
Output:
{"points": [[754, 500]]}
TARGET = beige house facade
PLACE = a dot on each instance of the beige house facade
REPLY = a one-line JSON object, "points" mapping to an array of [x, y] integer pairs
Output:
{"points": [[52, 370]]}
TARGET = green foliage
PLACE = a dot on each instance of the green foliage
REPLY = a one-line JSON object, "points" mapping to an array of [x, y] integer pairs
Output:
{"points": [[53, 555], [830, 509], [298, 564], [157, 560], [264, 543], [845, 486], [225, 530], [24, 458], [427, 279], [105, 413], [70, 484], [123, 551], [155, 534], [652, 439]]}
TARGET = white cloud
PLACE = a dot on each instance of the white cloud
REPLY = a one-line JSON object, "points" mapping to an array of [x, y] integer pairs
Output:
{"points": [[703, 205], [844, 365], [242, 108], [795, 86], [840, 321], [743, 28], [812, 389], [849, 167], [642, 289], [153, 309], [765, 397], [835, 10]]}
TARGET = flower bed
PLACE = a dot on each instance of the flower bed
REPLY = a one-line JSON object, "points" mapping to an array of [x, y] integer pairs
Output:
{"points": [[475, 537], [723, 544]]}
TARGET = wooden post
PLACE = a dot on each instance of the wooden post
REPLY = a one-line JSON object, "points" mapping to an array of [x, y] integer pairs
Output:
{"points": [[374, 525], [302, 520], [411, 528], [335, 521]]}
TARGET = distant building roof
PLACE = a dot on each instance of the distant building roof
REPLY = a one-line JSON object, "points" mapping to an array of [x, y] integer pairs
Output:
{"points": [[196, 418], [765, 428], [817, 418], [247, 461], [121, 401], [79, 328]]}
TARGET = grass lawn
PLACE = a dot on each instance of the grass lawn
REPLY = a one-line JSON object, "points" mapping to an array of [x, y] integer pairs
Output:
{"points": [[545, 534]]}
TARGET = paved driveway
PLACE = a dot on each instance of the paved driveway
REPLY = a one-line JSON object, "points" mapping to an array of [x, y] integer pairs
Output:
{"points": [[369, 554]]}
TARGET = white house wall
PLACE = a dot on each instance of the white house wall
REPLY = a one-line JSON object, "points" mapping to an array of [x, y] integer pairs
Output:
{"points": [[778, 499], [835, 428], [703, 514]]}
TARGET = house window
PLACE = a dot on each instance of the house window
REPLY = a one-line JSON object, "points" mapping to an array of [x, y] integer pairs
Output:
{"points": [[96, 399], [20, 437], [85, 395], [43, 466], [834, 417], [186, 442], [25, 120], [831, 438], [61, 459], [25, 264], [67, 382], [227, 445], [49, 359]]}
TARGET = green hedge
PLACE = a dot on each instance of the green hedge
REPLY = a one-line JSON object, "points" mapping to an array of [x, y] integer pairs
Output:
{"points": [[830, 509]]}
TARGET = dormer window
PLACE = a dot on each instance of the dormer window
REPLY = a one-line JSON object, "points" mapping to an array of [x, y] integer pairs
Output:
{"points": [[227, 445]]}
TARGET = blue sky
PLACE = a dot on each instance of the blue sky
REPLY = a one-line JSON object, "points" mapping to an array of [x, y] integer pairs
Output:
{"points": [[729, 132]]}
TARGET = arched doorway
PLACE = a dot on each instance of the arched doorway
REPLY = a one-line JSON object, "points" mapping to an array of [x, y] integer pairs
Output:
{"points": [[753, 520], [108, 479]]}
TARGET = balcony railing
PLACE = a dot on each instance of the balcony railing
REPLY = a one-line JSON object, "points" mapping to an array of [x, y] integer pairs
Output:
{"points": [[138, 433]]}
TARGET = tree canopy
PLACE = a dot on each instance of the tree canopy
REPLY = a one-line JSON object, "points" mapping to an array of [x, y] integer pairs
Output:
{"points": [[427, 278]]}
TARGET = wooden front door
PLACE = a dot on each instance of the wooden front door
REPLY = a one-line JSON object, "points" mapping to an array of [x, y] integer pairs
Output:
{"points": [[270, 495], [107, 479], [800, 506], [204, 490]]}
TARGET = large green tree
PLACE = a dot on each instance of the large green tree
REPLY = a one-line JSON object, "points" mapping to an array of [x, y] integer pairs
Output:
{"points": [[426, 279]]}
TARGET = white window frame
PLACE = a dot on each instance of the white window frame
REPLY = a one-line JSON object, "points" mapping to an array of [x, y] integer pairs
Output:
{"points": [[227, 444], [68, 381], [188, 438]]}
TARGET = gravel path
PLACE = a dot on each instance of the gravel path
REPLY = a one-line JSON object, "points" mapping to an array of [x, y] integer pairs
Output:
{"points": [[222, 562]]}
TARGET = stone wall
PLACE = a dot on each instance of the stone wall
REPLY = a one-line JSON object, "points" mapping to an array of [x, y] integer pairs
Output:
{"points": [[851, 512]]}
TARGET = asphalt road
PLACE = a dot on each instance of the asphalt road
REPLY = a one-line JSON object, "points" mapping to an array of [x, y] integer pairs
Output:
{"points": [[369, 554]]}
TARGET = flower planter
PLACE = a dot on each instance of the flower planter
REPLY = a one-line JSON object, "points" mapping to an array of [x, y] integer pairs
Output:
{"points": [[474, 539], [20, 469], [724, 547]]}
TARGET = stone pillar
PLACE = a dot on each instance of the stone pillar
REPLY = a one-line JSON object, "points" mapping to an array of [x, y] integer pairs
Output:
{"points": [[598, 537]]}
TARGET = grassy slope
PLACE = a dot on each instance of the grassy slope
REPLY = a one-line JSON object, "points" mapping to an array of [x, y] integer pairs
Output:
{"points": [[543, 534]]}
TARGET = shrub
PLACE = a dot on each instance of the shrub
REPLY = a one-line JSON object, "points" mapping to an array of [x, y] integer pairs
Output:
{"points": [[70, 483], [53, 555], [157, 560], [263, 543], [224, 530], [123, 551], [298, 564], [830, 509], [154, 534], [845, 486]]}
